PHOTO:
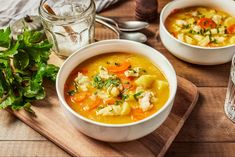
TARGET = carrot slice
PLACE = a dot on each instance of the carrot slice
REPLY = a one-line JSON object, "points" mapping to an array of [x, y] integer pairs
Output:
{"points": [[231, 29], [96, 103], [83, 70], [137, 114], [124, 66], [206, 23], [78, 97], [110, 101]]}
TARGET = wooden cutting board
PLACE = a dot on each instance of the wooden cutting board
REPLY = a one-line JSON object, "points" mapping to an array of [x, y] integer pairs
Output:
{"points": [[51, 122]]}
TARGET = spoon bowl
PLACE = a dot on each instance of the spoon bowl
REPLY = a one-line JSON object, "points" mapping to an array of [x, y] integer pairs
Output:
{"points": [[134, 36], [127, 26]]}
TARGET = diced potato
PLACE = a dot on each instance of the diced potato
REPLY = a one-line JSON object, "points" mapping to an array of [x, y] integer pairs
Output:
{"points": [[204, 42], [198, 37], [217, 19], [210, 14], [176, 28], [161, 85], [181, 23], [126, 109], [221, 30], [196, 28], [190, 20], [202, 10], [189, 40], [214, 31], [114, 92], [232, 40], [145, 81], [180, 36], [130, 96], [229, 21], [219, 39]]}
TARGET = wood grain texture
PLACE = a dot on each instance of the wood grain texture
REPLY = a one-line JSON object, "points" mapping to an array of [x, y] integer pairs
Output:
{"points": [[30, 148], [201, 150], [50, 122], [208, 123]]}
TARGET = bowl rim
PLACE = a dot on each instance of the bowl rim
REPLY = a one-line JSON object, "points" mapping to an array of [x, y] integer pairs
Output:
{"points": [[68, 108], [162, 25]]}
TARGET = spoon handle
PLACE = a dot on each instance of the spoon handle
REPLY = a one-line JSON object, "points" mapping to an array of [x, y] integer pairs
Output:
{"points": [[108, 20], [114, 29]]}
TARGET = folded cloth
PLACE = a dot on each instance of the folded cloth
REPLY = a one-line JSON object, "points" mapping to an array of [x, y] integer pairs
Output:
{"points": [[12, 10]]}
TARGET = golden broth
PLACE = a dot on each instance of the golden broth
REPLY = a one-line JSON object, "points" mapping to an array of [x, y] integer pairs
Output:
{"points": [[91, 105], [202, 26]]}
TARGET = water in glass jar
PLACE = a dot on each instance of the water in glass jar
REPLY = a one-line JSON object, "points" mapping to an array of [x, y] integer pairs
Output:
{"points": [[73, 26]]}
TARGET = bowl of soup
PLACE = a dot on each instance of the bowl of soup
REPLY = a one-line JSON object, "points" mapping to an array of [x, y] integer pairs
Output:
{"points": [[116, 90], [199, 32]]}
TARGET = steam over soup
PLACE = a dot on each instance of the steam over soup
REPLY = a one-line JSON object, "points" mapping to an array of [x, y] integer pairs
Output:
{"points": [[202, 26], [116, 88]]}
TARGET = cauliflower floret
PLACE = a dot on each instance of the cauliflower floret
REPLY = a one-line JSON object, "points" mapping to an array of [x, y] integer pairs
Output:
{"points": [[135, 72], [145, 101], [217, 19], [104, 74], [82, 82], [181, 23]]}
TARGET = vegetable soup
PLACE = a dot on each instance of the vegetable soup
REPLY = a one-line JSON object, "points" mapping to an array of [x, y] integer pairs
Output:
{"points": [[116, 88], [202, 26]]}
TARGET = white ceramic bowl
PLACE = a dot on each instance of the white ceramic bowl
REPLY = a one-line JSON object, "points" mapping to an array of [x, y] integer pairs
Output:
{"points": [[191, 53], [116, 132]]}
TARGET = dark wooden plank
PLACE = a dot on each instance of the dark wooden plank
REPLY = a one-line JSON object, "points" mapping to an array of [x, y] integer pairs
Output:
{"points": [[201, 150], [208, 122]]}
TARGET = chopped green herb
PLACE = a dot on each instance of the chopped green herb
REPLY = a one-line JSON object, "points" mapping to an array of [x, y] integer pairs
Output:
{"points": [[136, 95], [99, 107], [114, 82], [97, 82], [125, 96], [71, 92], [118, 102]]}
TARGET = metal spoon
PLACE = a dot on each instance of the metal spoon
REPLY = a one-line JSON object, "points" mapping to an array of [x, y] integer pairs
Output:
{"points": [[127, 26], [135, 36]]}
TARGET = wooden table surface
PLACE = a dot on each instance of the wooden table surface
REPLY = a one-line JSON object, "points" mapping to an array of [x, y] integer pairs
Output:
{"points": [[207, 132]]}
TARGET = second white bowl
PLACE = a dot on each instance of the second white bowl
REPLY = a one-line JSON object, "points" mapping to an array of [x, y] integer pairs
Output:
{"points": [[191, 53]]}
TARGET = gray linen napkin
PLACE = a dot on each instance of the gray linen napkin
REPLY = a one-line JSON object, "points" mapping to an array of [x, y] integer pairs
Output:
{"points": [[12, 10]]}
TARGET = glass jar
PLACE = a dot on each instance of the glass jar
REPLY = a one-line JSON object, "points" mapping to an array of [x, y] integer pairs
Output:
{"points": [[68, 24]]}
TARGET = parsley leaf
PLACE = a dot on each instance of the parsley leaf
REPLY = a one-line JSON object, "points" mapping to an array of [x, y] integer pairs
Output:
{"points": [[23, 65]]}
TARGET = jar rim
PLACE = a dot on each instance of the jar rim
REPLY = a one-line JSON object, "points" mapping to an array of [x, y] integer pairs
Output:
{"points": [[43, 11]]}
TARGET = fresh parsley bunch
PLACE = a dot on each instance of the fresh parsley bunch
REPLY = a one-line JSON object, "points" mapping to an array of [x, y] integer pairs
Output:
{"points": [[23, 65]]}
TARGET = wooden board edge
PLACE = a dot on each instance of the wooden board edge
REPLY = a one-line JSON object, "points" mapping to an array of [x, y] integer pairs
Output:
{"points": [[182, 121]]}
